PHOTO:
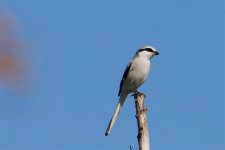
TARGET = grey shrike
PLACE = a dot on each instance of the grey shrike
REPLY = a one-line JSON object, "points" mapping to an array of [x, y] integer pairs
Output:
{"points": [[135, 74]]}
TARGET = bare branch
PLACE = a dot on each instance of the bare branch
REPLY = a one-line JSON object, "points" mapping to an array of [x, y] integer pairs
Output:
{"points": [[143, 133]]}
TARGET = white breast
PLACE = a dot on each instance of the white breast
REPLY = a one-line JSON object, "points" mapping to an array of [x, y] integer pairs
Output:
{"points": [[138, 73]]}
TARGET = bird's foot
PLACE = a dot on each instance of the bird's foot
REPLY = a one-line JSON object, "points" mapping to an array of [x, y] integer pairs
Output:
{"points": [[138, 93]]}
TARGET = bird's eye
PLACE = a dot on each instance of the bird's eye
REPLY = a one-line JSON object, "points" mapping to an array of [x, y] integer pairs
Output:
{"points": [[149, 50], [146, 49]]}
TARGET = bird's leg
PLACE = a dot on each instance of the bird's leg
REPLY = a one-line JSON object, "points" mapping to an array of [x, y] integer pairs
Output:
{"points": [[139, 93], [136, 92]]}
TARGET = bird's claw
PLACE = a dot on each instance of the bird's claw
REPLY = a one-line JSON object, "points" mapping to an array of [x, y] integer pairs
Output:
{"points": [[138, 93]]}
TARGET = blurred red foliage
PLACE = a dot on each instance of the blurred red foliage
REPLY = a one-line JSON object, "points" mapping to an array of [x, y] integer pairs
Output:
{"points": [[12, 66]]}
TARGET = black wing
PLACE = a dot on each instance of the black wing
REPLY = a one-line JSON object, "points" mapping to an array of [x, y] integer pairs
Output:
{"points": [[124, 77]]}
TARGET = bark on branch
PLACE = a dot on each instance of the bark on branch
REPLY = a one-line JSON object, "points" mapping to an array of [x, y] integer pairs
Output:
{"points": [[143, 133]]}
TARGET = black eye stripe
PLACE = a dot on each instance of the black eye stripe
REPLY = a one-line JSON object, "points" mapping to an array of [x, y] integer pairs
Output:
{"points": [[146, 49]]}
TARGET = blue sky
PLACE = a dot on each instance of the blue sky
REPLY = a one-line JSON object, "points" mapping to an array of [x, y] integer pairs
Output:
{"points": [[81, 50]]}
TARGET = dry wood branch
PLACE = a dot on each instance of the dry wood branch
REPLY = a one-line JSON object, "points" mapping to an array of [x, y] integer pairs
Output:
{"points": [[143, 133]]}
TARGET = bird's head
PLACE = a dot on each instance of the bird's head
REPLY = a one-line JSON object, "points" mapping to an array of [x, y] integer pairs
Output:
{"points": [[147, 52]]}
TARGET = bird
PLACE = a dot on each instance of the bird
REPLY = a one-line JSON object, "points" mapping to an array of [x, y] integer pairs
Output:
{"points": [[134, 76]]}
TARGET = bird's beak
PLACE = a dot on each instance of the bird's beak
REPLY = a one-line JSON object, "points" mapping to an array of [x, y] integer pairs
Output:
{"points": [[156, 53]]}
